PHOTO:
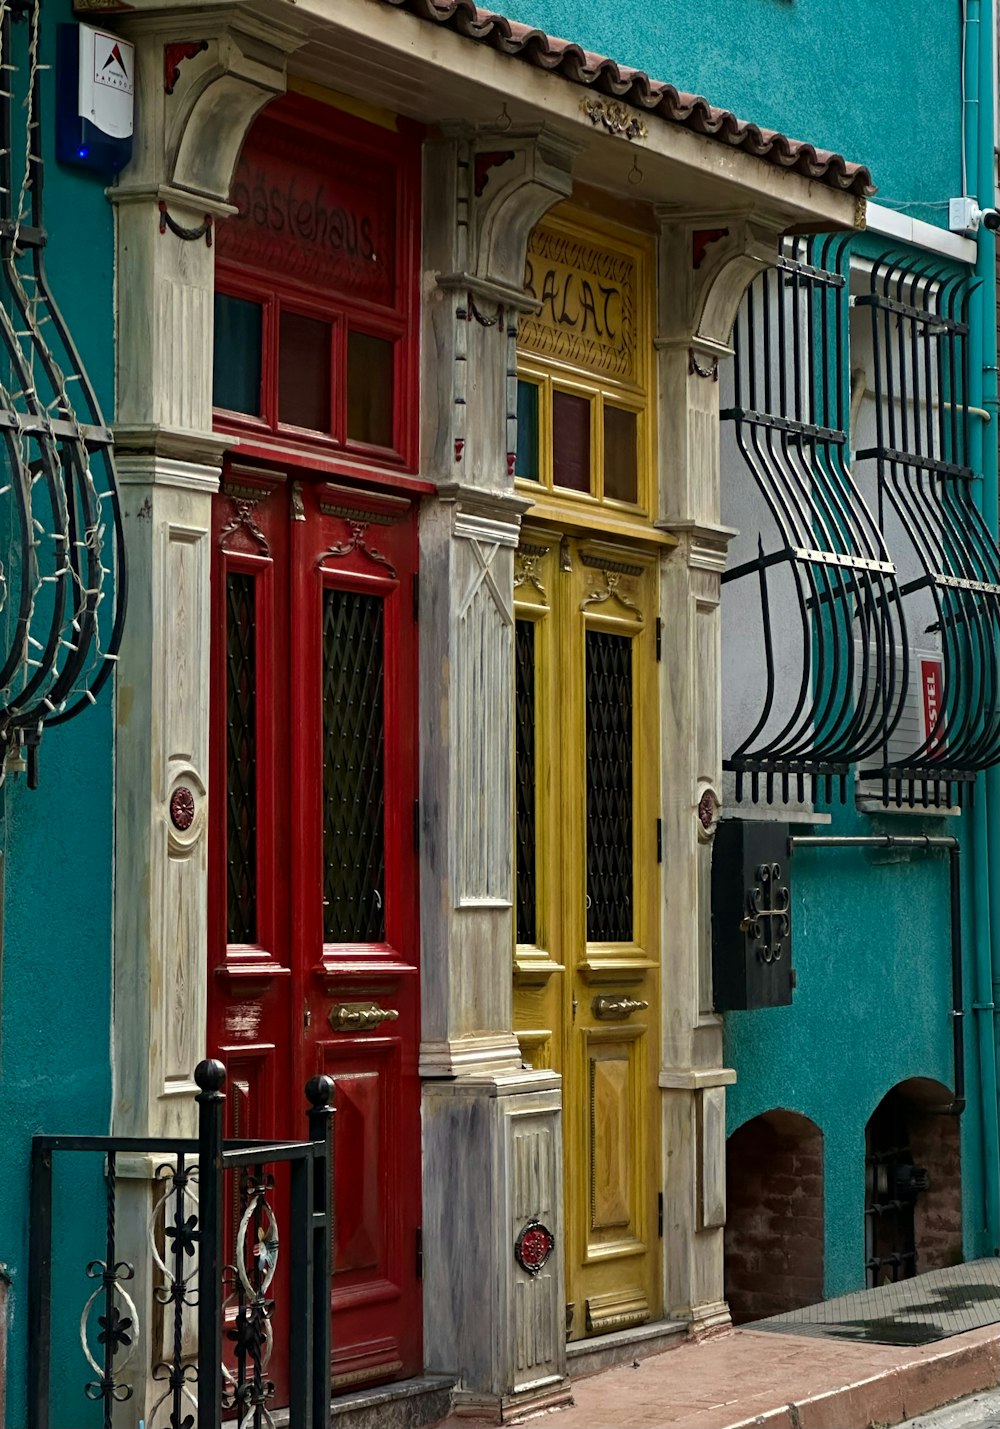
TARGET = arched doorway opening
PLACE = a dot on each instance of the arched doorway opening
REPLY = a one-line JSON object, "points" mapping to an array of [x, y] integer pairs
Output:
{"points": [[913, 1183]]}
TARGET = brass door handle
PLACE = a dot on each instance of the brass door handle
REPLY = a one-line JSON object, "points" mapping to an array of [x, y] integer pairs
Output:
{"points": [[359, 1016], [612, 1009]]}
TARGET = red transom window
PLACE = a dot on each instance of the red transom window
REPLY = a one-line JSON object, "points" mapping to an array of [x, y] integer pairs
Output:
{"points": [[315, 308]]}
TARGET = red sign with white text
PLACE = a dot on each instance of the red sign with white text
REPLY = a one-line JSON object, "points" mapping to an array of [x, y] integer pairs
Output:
{"points": [[930, 685]]}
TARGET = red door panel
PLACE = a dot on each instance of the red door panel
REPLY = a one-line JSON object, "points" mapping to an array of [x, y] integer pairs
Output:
{"points": [[314, 885]]}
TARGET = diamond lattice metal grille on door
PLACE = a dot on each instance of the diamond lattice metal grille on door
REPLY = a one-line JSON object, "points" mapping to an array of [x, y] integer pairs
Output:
{"points": [[609, 787], [353, 768], [524, 715], [241, 757]]}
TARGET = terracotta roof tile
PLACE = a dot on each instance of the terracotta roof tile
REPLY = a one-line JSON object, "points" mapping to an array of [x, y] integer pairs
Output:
{"points": [[562, 57]]}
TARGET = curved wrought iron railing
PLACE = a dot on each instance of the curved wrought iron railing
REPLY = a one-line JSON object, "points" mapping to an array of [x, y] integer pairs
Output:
{"points": [[62, 552], [791, 416]]}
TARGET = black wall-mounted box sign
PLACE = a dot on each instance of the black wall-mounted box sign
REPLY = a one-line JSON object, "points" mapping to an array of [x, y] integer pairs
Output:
{"points": [[751, 916]]}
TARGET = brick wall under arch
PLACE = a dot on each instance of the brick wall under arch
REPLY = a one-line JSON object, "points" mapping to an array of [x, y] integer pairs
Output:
{"points": [[774, 1220]]}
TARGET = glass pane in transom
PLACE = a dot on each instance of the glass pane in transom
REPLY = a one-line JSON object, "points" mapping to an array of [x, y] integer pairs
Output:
{"points": [[621, 455], [571, 441], [304, 372], [237, 357], [369, 389]]}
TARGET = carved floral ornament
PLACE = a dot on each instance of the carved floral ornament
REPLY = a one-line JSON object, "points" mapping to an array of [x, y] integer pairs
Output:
{"points": [[708, 811], [615, 117], [533, 1246], [614, 573], [245, 501], [526, 559], [357, 541]]}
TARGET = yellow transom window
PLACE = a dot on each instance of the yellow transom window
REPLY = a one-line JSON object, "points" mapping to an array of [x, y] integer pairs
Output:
{"points": [[584, 416]]}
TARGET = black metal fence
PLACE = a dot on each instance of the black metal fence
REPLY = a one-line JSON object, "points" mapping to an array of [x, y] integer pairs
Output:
{"points": [[218, 1300]]}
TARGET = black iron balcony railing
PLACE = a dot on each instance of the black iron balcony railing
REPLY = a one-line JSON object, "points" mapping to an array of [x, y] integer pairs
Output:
{"points": [[863, 559], [839, 585], [222, 1315], [921, 454]]}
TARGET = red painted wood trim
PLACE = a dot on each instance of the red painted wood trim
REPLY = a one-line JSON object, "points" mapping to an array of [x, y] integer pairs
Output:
{"points": [[398, 321], [308, 459]]}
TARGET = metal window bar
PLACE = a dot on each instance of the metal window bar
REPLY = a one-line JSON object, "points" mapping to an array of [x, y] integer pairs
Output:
{"points": [[62, 578], [186, 1248], [919, 318], [790, 414]]}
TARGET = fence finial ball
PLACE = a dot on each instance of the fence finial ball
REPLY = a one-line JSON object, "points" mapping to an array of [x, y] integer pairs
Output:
{"points": [[319, 1090], [210, 1075]]}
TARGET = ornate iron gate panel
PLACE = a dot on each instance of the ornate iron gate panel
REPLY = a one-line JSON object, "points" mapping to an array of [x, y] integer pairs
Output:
{"points": [[227, 1290]]}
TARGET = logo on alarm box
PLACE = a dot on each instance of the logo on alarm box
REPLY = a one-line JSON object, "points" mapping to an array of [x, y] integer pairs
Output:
{"points": [[110, 66]]}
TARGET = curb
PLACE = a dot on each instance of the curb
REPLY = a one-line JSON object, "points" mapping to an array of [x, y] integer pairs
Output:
{"points": [[902, 1393]]}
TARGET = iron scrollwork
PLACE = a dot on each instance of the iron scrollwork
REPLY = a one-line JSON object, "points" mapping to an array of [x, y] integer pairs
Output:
{"points": [[767, 921], [246, 1385], [62, 572], [174, 1223]]}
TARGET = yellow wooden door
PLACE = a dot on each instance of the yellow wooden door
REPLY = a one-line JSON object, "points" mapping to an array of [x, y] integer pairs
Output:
{"points": [[587, 955]]}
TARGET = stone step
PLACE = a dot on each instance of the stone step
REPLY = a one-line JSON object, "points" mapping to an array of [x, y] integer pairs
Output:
{"points": [[407, 1404], [623, 1347]]}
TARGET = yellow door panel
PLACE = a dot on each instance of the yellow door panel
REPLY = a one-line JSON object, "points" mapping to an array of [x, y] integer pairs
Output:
{"points": [[586, 983], [612, 1134]]}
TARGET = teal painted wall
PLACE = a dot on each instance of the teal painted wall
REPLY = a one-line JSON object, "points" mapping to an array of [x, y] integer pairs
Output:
{"points": [[875, 80], [872, 955], [55, 1073]]}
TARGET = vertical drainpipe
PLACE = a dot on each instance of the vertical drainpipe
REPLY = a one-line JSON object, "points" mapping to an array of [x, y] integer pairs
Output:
{"points": [[978, 141]]}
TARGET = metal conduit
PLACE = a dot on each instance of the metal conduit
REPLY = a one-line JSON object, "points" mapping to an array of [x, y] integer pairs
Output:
{"points": [[929, 844]]}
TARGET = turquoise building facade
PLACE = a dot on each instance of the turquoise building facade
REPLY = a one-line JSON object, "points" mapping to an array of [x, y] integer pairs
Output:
{"points": [[907, 90]]}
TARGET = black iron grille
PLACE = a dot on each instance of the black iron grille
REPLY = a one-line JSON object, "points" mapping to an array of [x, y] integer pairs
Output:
{"points": [[824, 582], [353, 768], [920, 339], [525, 811], [241, 757], [609, 787]]}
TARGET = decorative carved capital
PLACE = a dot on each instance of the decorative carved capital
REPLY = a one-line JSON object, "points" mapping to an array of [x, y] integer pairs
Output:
{"points": [[203, 85], [707, 263], [507, 179]]}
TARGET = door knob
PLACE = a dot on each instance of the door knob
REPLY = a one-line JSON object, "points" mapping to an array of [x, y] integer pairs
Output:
{"points": [[613, 1009], [359, 1016]]}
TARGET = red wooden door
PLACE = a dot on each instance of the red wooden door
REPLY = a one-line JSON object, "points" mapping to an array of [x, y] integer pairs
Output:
{"points": [[314, 915]]}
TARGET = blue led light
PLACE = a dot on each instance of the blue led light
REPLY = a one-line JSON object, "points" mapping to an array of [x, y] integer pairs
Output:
{"points": [[82, 153]]}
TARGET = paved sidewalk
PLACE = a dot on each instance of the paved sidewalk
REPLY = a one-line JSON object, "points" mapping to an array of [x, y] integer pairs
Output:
{"points": [[752, 1377]]}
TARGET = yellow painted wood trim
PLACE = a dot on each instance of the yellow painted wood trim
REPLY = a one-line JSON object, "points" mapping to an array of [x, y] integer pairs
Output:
{"points": [[590, 519], [372, 113], [635, 393]]}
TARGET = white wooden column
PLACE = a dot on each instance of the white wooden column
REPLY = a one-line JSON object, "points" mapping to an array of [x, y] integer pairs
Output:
{"points": [[193, 116], [492, 1128], [704, 267]]}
